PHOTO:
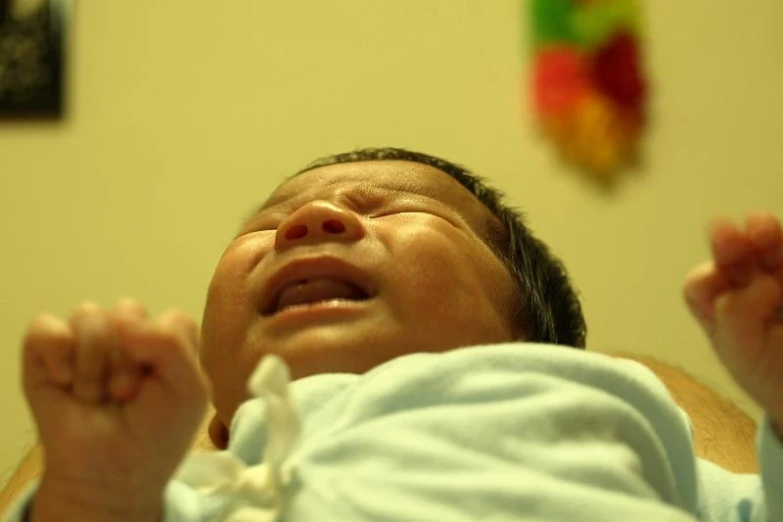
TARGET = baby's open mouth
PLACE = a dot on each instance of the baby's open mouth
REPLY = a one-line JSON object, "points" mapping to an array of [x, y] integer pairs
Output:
{"points": [[312, 291]]}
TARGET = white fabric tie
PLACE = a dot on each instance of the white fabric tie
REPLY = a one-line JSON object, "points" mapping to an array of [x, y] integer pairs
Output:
{"points": [[255, 492]]}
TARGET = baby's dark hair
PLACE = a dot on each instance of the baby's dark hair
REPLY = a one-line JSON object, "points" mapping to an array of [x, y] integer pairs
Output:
{"points": [[546, 309]]}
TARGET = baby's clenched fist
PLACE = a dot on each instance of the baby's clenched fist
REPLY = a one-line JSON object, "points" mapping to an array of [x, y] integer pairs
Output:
{"points": [[116, 395]]}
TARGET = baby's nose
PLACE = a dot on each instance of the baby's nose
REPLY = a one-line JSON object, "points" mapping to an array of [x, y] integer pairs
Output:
{"points": [[319, 221]]}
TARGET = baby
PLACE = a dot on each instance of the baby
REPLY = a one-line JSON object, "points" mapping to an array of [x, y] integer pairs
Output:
{"points": [[340, 281]]}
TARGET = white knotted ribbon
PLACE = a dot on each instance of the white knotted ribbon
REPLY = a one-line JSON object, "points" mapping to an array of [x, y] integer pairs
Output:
{"points": [[255, 492]]}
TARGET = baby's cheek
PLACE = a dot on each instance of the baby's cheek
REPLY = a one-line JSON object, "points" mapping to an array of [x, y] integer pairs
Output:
{"points": [[471, 288], [226, 390], [428, 239], [244, 255], [235, 286], [428, 261], [442, 283]]}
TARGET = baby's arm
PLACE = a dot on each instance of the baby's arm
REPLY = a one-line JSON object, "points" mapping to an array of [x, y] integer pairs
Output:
{"points": [[116, 398], [31, 465], [738, 300]]}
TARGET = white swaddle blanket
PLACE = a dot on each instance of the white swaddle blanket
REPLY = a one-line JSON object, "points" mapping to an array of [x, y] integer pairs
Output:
{"points": [[502, 432]]}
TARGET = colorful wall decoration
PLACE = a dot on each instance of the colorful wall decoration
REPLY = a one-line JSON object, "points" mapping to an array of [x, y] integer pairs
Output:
{"points": [[589, 89]]}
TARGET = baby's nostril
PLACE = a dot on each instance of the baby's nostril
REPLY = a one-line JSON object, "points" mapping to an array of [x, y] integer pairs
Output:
{"points": [[296, 232], [333, 226]]}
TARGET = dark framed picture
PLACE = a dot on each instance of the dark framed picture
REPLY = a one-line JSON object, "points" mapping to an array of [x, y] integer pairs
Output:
{"points": [[32, 57]]}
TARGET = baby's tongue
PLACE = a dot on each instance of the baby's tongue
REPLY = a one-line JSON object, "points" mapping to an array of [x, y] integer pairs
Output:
{"points": [[315, 290]]}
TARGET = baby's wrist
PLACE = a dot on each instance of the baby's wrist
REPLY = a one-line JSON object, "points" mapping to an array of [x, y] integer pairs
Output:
{"points": [[58, 498]]}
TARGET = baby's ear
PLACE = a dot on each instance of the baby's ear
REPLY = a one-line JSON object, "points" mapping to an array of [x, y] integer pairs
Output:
{"points": [[218, 433]]}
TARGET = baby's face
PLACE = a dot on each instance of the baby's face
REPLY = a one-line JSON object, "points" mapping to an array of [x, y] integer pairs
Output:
{"points": [[348, 266]]}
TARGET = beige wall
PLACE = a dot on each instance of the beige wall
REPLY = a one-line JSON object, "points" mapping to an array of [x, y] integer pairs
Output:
{"points": [[184, 114]]}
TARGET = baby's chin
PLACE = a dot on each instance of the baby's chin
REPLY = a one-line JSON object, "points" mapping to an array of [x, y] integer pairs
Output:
{"points": [[316, 353], [344, 347]]}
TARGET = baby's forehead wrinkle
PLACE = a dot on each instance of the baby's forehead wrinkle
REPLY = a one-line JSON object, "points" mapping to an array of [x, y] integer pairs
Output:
{"points": [[365, 181], [335, 186], [325, 189]]}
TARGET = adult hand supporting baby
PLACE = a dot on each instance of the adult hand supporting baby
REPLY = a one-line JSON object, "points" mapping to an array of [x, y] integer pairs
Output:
{"points": [[116, 397], [738, 300]]}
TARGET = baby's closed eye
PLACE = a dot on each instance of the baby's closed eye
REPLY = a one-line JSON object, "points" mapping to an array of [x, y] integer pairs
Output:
{"points": [[401, 209]]}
